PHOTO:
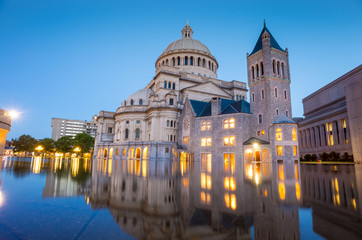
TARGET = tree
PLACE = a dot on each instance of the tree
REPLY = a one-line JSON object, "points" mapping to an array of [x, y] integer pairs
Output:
{"points": [[48, 144], [25, 143], [84, 141], [64, 144]]}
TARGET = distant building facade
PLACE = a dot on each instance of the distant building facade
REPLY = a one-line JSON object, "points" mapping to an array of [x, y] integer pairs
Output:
{"points": [[5, 125], [186, 106], [333, 117], [66, 127]]}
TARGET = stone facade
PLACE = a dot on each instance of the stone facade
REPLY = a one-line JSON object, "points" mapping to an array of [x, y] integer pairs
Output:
{"points": [[333, 119], [5, 125]]}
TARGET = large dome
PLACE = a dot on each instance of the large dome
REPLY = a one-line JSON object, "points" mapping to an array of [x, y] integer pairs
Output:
{"points": [[187, 42]]}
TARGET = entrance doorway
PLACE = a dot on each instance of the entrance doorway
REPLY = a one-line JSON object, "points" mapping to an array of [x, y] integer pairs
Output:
{"points": [[257, 156]]}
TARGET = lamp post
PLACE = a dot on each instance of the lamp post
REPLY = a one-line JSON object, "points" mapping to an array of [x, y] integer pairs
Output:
{"points": [[39, 148]]}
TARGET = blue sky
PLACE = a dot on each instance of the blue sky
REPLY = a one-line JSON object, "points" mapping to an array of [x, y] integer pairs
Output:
{"points": [[71, 59]]}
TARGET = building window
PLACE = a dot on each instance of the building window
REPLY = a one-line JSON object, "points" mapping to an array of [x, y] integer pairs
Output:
{"points": [[206, 162], [330, 133], [167, 150], [191, 61], [124, 152], [262, 68], [280, 150], [126, 134], [286, 113], [229, 123], [205, 125], [127, 122], [277, 111], [164, 84], [206, 142], [173, 86], [262, 94], [168, 123], [229, 141], [138, 133], [260, 118], [345, 131], [186, 140], [252, 71], [140, 102], [169, 85], [178, 61], [294, 135], [337, 132], [253, 97], [295, 151], [273, 66], [186, 61], [279, 134], [276, 92], [285, 94], [171, 101], [138, 121], [109, 130]]}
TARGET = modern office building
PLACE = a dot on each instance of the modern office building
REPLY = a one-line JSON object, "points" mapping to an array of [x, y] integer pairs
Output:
{"points": [[66, 127], [333, 117], [5, 125]]}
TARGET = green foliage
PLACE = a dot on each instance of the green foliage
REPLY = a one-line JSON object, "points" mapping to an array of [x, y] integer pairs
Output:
{"points": [[307, 157], [333, 156], [84, 141], [324, 156], [48, 144], [64, 144], [25, 143], [313, 157]]}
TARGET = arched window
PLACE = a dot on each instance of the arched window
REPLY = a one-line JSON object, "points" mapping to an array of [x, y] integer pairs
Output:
{"points": [[191, 61], [138, 153], [178, 61], [186, 60], [294, 134], [257, 70], [163, 62], [169, 85], [262, 94], [140, 102], [138, 133], [252, 72], [105, 153], [171, 123], [285, 94], [279, 134], [204, 62], [164, 84], [253, 96], [131, 101], [167, 62], [173, 86], [130, 153], [273, 66], [199, 62], [126, 133], [144, 156], [262, 68], [168, 123], [278, 67], [286, 113], [173, 61], [282, 68], [277, 112], [260, 118], [209, 65], [276, 92]]}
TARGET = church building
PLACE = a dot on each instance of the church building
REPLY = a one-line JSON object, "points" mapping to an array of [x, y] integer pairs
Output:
{"points": [[186, 109]]}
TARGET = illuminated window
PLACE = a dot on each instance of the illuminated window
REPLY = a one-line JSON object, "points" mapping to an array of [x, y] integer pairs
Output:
{"points": [[205, 142], [205, 125], [281, 191], [295, 151], [281, 171], [280, 150], [229, 162], [229, 141], [294, 134], [345, 130], [229, 183], [124, 152], [186, 140], [262, 132], [330, 133], [205, 198], [206, 181], [279, 134], [296, 171], [229, 123], [230, 201], [297, 190], [206, 162]]}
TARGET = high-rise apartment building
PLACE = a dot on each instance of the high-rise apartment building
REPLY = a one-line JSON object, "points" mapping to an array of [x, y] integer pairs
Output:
{"points": [[66, 127]]}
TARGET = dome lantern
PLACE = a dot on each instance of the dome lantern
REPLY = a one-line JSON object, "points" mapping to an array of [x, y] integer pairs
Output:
{"points": [[187, 31]]}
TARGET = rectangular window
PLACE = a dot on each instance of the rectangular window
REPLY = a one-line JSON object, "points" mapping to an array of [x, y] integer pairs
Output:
{"points": [[262, 132], [279, 134], [262, 94], [229, 141], [206, 142], [206, 162], [330, 134], [281, 171], [229, 162], [109, 130], [186, 140], [229, 123], [280, 150], [205, 125], [171, 101], [337, 131], [345, 131], [253, 97], [295, 150], [138, 121]]}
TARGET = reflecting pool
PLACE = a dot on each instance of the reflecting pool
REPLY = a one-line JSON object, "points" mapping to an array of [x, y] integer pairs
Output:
{"points": [[177, 199]]}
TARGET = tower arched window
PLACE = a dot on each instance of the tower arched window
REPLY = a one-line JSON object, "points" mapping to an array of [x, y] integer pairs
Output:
{"points": [[209, 65], [173, 86], [173, 62], [260, 118], [285, 94], [138, 133], [277, 111], [276, 92], [278, 67], [198, 62], [282, 69], [131, 102], [191, 61], [253, 97], [140, 102], [286, 113], [257, 70], [186, 60], [273, 66], [262, 94], [252, 72], [171, 123], [262, 68], [178, 61], [126, 133], [212, 66]]}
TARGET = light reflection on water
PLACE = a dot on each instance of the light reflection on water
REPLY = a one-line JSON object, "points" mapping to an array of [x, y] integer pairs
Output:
{"points": [[181, 199]]}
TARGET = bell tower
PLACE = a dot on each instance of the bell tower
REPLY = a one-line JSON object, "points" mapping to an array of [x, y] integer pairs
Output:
{"points": [[269, 82]]}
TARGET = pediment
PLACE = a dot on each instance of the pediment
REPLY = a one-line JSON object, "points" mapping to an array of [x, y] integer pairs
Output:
{"points": [[208, 88]]}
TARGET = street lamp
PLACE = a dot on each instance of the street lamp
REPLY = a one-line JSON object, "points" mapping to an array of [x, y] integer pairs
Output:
{"points": [[39, 148], [77, 149]]}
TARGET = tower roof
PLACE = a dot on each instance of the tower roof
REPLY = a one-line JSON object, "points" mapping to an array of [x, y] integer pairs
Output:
{"points": [[259, 43]]}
